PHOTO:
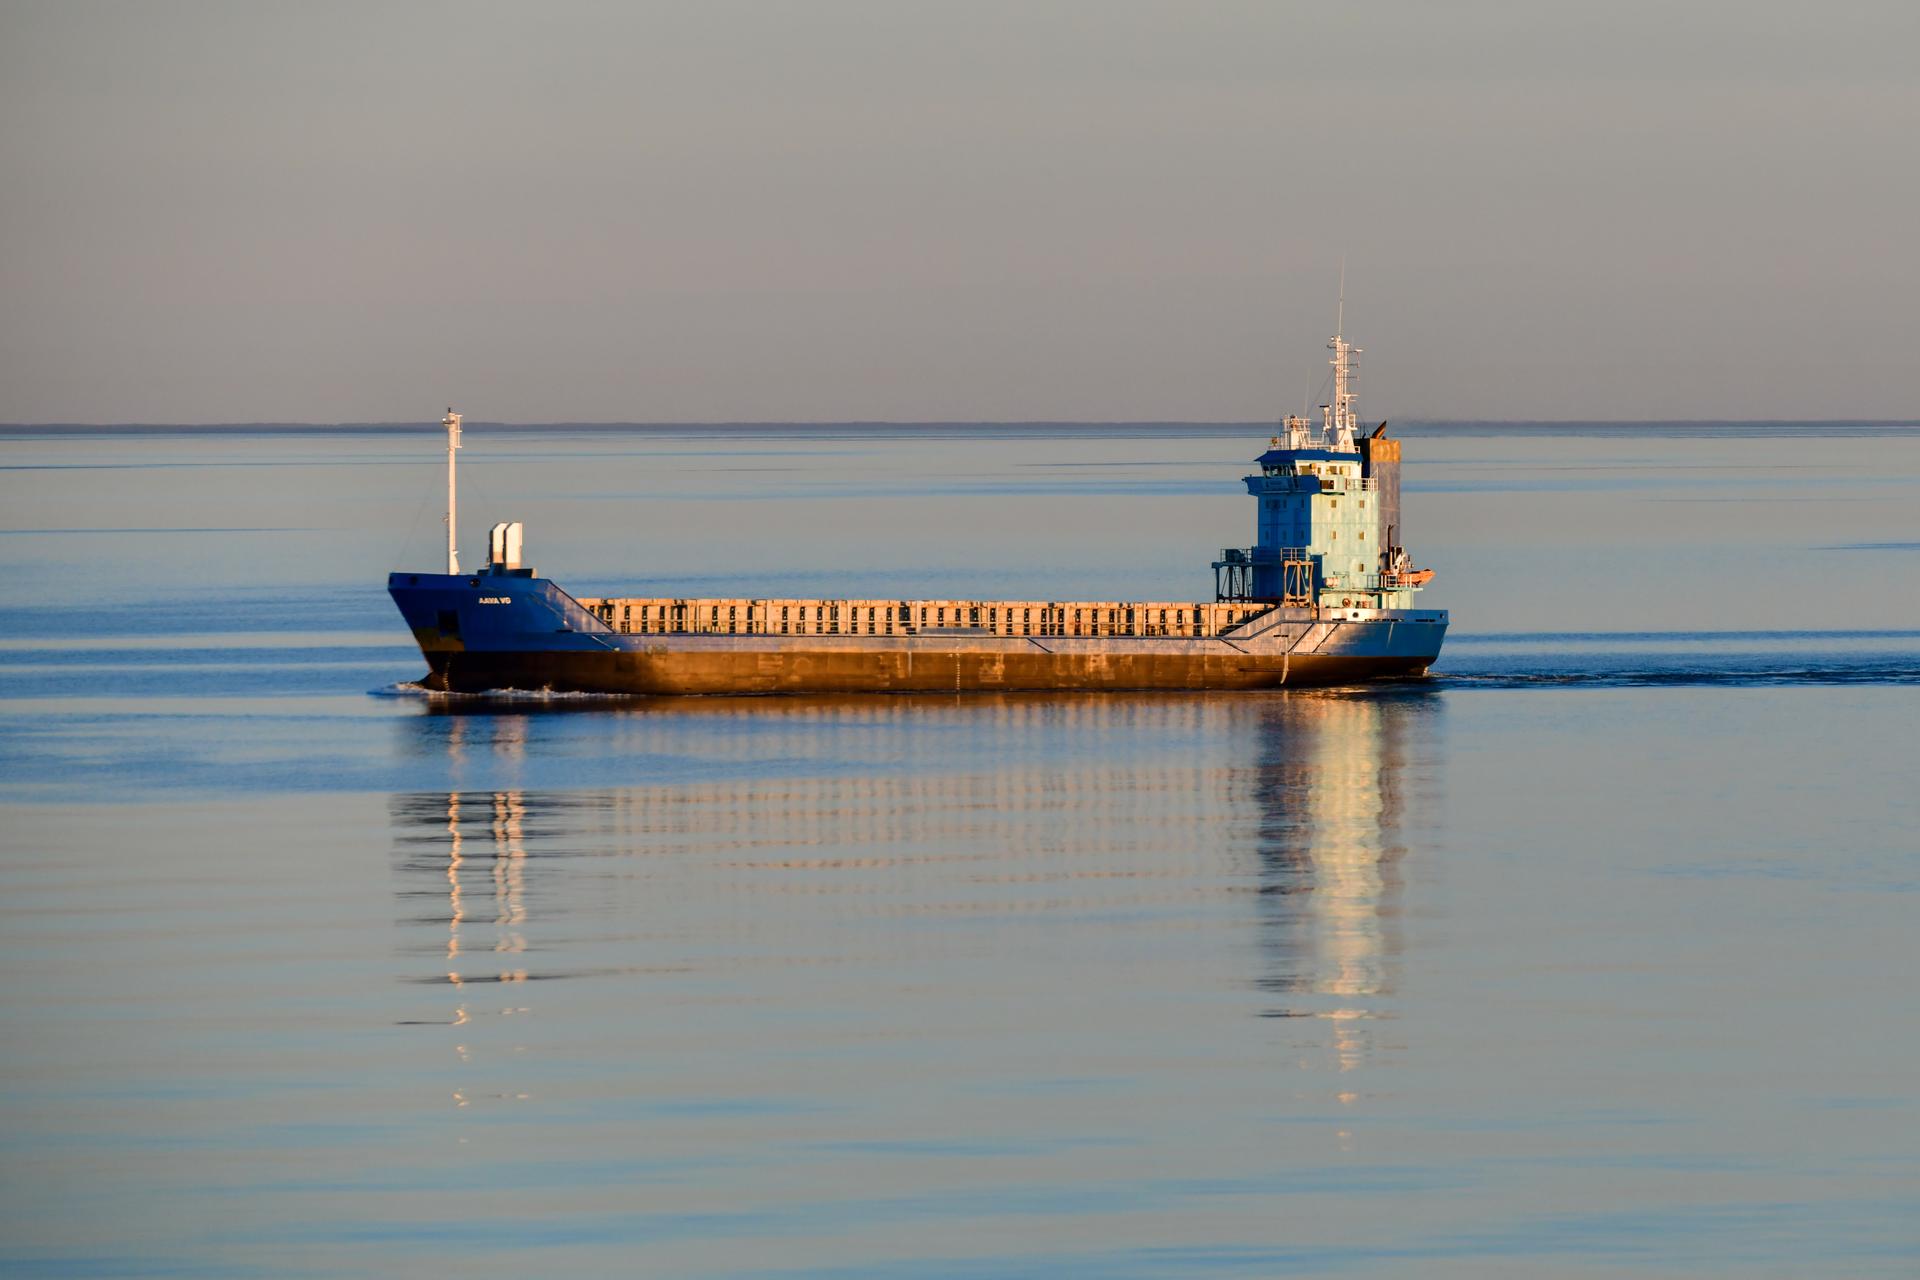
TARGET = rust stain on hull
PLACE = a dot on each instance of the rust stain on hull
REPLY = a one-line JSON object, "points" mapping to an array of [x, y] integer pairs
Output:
{"points": [[769, 671]]}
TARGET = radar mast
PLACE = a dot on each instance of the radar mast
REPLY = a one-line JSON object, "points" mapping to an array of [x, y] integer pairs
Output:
{"points": [[1339, 415]]}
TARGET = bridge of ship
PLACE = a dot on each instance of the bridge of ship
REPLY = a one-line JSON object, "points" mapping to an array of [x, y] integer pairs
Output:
{"points": [[1327, 525]]}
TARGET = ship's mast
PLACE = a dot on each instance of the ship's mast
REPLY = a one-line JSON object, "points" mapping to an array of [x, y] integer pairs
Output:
{"points": [[452, 423], [1339, 414], [1340, 419]]}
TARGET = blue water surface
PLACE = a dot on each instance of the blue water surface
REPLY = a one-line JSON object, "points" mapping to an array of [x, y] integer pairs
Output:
{"points": [[1588, 956]]}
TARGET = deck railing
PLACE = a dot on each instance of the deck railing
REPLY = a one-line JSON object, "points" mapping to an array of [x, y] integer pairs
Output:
{"points": [[1262, 555], [655, 615]]}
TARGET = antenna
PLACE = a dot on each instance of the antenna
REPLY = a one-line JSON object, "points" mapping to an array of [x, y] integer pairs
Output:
{"points": [[1340, 316], [452, 423]]}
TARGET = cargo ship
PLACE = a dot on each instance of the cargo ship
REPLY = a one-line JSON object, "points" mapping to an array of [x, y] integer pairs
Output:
{"points": [[1325, 596]]}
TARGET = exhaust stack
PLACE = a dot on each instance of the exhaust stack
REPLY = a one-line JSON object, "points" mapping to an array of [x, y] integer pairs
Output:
{"points": [[506, 542]]}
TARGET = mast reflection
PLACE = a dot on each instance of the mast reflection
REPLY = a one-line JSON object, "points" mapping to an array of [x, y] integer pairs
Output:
{"points": [[439, 838]]}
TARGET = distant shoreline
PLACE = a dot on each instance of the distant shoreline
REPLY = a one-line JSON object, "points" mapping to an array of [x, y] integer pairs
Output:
{"points": [[1734, 428]]}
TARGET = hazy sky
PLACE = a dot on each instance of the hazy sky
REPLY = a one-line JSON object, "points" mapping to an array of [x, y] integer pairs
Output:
{"points": [[628, 211]]}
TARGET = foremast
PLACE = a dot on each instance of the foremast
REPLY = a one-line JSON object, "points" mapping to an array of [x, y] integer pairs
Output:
{"points": [[452, 423]]}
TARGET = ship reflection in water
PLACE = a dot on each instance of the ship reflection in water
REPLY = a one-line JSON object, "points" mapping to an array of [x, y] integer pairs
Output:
{"points": [[1330, 791], [884, 864]]}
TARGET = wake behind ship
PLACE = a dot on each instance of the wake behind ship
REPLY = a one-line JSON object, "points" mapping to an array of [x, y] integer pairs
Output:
{"points": [[1323, 597]]}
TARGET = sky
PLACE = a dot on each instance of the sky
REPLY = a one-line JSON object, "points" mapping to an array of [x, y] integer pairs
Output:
{"points": [[828, 211]]}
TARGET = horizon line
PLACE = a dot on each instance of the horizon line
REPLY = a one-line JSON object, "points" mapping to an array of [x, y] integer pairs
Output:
{"points": [[738, 423]]}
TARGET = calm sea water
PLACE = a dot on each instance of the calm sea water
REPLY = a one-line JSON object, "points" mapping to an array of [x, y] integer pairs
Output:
{"points": [[1592, 956]]}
